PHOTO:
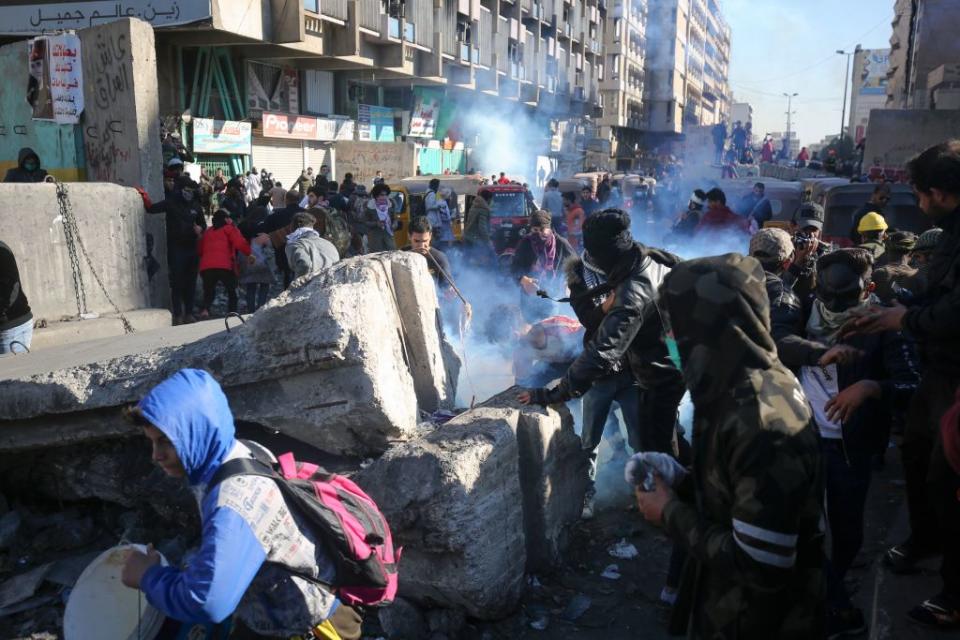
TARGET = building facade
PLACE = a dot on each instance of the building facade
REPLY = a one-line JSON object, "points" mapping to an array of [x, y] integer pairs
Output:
{"points": [[622, 87], [688, 65], [313, 75], [923, 39]]}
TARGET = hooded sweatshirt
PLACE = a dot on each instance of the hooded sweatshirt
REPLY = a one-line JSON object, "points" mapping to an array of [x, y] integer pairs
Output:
{"points": [[750, 514], [20, 173], [251, 543]]}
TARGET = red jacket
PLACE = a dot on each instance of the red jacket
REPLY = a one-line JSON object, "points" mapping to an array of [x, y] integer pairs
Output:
{"points": [[722, 219], [218, 247]]}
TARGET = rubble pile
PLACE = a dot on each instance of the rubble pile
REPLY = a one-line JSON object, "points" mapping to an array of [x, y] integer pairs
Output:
{"points": [[348, 363]]}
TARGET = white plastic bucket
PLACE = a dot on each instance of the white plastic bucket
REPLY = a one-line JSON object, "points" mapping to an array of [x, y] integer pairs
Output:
{"points": [[102, 608]]}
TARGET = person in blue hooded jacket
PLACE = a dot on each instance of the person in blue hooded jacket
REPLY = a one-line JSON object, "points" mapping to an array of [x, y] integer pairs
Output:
{"points": [[255, 560]]}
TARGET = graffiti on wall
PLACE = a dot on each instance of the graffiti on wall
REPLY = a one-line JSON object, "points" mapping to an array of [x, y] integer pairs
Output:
{"points": [[109, 150]]}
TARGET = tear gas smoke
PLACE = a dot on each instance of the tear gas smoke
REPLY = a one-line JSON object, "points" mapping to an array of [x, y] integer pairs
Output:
{"points": [[506, 138]]}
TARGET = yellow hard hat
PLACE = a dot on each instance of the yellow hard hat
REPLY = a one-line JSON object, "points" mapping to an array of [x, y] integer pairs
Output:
{"points": [[873, 221]]}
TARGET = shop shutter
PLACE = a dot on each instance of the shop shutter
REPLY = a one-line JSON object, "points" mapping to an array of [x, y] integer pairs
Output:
{"points": [[283, 158]]}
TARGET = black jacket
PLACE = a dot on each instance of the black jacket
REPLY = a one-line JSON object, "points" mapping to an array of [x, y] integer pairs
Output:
{"points": [[181, 216], [889, 359], [933, 320], [19, 174], [633, 328], [786, 310], [14, 309]]}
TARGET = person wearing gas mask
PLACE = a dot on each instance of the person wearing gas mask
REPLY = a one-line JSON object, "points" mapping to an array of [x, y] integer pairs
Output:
{"points": [[185, 224], [854, 386], [27, 169], [749, 511], [631, 328]]}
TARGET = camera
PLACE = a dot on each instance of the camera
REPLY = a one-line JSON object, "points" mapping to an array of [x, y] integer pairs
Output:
{"points": [[802, 241]]}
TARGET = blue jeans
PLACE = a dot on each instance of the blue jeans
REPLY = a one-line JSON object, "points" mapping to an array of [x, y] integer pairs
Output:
{"points": [[20, 334], [847, 479], [597, 403]]}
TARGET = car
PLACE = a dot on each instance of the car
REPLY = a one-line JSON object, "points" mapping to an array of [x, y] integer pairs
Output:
{"points": [[901, 213], [785, 197]]}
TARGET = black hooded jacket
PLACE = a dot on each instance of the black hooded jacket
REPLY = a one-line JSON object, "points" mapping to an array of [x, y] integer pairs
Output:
{"points": [[181, 216], [633, 328], [20, 174], [932, 320], [14, 308]]}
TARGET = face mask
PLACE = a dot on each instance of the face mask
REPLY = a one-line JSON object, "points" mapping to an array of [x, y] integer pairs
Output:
{"points": [[30, 165], [673, 351]]}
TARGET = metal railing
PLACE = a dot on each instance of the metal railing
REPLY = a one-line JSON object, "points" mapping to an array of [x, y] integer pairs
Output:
{"points": [[336, 9], [370, 11]]}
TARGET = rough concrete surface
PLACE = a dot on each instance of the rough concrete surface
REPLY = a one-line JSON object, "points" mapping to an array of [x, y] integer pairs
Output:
{"points": [[450, 499], [71, 332], [113, 227], [553, 475], [323, 363]]}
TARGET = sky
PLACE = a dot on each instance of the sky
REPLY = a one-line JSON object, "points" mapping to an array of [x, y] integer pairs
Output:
{"points": [[788, 46]]}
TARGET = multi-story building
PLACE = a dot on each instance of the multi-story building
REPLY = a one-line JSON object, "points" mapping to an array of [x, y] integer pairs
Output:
{"points": [[868, 88], [688, 60], [741, 112], [715, 94], [312, 72], [923, 39], [622, 87]]}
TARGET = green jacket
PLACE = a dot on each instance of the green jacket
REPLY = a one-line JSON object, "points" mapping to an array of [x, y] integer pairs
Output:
{"points": [[750, 512], [477, 227]]}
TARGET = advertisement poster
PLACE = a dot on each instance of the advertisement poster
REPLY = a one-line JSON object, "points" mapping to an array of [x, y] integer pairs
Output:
{"points": [[55, 88], [272, 88], [873, 78], [375, 123], [221, 136], [423, 121]]}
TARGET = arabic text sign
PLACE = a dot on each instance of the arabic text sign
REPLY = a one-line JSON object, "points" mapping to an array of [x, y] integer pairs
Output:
{"points": [[66, 78], [334, 129], [219, 136], [36, 18], [375, 123], [56, 78]]}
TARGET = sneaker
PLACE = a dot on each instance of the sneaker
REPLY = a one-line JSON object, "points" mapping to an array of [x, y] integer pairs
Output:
{"points": [[845, 623], [935, 613], [903, 558]]}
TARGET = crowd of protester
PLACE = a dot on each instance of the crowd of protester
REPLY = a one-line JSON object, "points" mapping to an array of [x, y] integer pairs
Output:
{"points": [[803, 360]]}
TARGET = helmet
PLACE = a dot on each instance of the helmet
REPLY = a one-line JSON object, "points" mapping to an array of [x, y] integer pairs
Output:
{"points": [[928, 239], [872, 222]]}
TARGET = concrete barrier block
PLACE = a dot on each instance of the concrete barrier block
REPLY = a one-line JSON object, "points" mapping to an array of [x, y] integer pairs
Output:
{"points": [[451, 501]]}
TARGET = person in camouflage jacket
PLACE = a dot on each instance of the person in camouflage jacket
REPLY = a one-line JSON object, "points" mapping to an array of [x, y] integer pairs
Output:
{"points": [[750, 512]]}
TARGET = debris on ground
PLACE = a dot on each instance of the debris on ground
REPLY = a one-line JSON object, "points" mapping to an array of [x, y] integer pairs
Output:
{"points": [[612, 572], [623, 550], [577, 606]]}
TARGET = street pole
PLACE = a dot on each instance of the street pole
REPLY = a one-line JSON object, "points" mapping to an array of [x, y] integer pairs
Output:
{"points": [[790, 97], [846, 81]]}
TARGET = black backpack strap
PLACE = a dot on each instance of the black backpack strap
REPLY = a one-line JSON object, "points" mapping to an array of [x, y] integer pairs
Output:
{"points": [[241, 467]]}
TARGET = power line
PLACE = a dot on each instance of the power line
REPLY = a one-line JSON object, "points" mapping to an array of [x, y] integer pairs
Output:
{"points": [[832, 56]]}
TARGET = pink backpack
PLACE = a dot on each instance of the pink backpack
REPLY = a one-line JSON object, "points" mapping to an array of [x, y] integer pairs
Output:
{"points": [[341, 515]]}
